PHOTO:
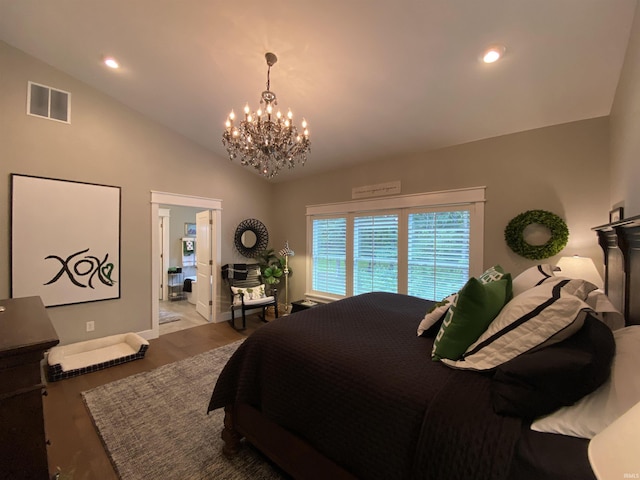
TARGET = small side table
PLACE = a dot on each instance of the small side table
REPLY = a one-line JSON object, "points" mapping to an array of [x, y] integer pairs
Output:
{"points": [[300, 305]]}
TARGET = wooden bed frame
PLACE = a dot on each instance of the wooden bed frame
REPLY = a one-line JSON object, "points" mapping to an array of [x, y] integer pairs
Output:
{"points": [[620, 242]]}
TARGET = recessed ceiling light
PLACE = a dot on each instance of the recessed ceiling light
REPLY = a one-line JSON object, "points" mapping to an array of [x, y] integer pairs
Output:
{"points": [[111, 62], [493, 54]]}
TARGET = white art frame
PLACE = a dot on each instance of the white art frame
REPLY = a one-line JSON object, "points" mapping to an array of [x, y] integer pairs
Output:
{"points": [[65, 240]]}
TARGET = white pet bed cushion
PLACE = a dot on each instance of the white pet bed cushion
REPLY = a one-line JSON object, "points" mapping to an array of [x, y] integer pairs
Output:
{"points": [[89, 356]]}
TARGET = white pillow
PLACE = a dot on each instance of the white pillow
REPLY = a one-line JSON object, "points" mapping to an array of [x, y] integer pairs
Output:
{"points": [[532, 277], [250, 293], [542, 315], [594, 412]]}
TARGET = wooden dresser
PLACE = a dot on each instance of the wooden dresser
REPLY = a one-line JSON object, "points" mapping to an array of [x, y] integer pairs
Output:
{"points": [[25, 334]]}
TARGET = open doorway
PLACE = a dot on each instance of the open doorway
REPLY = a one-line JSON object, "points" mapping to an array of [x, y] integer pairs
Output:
{"points": [[179, 239], [184, 224]]}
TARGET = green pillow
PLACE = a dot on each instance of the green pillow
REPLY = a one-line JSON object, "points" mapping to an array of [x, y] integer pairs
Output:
{"points": [[496, 273], [469, 316]]}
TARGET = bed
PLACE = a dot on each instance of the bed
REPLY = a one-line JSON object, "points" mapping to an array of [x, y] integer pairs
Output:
{"points": [[348, 390]]}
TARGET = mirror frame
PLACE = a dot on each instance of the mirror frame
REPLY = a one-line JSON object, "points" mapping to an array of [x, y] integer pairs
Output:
{"points": [[261, 233]]}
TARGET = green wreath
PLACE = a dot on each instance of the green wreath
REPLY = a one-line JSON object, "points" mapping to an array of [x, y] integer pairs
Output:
{"points": [[513, 234]]}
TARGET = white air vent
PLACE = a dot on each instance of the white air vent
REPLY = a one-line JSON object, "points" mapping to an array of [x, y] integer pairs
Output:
{"points": [[47, 102]]}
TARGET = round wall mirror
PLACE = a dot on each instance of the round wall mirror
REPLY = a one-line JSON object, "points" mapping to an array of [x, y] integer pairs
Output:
{"points": [[251, 237]]}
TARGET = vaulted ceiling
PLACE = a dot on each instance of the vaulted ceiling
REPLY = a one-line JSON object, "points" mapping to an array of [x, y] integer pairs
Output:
{"points": [[374, 78]]}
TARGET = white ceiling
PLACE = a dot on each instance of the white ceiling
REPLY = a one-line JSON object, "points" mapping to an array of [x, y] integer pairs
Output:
{"points": [[372, 77]]}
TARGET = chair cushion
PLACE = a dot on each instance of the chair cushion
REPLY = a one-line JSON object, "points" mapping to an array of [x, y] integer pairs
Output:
{"points": [[259, 301], [251, 294]]}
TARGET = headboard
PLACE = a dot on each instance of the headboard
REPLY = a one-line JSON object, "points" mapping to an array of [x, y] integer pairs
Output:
{"points": [[620, 242]]}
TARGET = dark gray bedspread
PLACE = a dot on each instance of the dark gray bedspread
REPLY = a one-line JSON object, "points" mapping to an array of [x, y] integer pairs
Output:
{"points": [[354, 380]]}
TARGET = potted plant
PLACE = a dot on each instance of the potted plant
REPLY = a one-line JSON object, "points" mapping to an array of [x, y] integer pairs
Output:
{"points": [[271, 267]]}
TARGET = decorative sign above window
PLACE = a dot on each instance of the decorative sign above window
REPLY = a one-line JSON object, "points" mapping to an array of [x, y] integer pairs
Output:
{"points": [[379, 190]]}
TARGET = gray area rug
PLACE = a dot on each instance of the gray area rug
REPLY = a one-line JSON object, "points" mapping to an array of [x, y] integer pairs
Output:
{"points": [[154, 424]]}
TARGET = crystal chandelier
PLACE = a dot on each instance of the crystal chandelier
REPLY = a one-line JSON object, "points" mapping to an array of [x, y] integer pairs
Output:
{"points": [[264, 140]]}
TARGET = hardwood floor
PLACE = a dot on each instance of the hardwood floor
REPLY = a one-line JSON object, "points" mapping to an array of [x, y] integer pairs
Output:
{"points": [[75, 445], [182, 309]]}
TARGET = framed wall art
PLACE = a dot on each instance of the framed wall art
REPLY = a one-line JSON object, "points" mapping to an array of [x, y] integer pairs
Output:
{"points": [[65, 240], [616, 215], [190, 229]]}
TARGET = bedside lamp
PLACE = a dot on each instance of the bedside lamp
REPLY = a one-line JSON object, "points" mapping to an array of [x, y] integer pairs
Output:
{"points": [[580, 267], [614, 452]]}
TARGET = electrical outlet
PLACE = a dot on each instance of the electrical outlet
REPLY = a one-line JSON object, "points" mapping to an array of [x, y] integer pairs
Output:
{"points": [[91, 326]]}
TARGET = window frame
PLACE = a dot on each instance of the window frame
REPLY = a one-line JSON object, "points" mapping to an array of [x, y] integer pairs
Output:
{"points": [[473, 198]]}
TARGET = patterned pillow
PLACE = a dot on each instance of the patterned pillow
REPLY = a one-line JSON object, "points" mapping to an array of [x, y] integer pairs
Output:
{"points": [[435, 313], [250, 293], [476, 305], [542, 315], [439, 309]]}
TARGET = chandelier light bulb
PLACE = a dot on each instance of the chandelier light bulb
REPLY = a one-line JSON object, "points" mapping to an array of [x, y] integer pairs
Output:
{"points": [[246, 109]]}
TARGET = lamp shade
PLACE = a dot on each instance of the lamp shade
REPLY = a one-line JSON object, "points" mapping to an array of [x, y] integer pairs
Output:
{"points": [[580, 267], [615, 451]]}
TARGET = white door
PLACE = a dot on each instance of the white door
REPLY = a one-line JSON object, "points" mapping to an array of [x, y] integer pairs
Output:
{"points": [[204, 285], [164, 217], [161, 269]]}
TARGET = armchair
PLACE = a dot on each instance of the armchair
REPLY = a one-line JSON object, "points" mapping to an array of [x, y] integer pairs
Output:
{"points": [[248, 292]]}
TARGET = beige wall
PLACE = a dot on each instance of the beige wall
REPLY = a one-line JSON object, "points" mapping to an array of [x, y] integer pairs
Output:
{"points": [[563, 169], [108, 143], [625, 130]]}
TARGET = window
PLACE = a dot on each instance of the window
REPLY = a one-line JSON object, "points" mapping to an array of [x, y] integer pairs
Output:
{"points": [[375, 254], [424, 245], [329, 254], [438, 253]]}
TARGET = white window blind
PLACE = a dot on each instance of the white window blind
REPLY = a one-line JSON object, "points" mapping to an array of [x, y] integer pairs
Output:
{"points": [[375, 254], [329, 255], [437, 253]]}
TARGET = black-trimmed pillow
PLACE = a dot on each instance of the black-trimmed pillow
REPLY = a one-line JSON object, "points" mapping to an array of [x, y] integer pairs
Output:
{"points": [[575, 286], [532, 277], [542, 315], [537, 383]]}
